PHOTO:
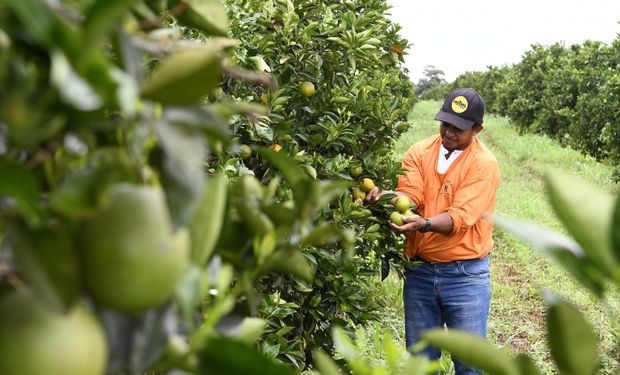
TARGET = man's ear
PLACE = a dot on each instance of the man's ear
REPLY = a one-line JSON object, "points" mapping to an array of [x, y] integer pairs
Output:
{"points": [[477, 129]]}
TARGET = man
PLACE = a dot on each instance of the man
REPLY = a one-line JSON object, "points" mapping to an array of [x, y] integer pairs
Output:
{"points": [[453, 178]]}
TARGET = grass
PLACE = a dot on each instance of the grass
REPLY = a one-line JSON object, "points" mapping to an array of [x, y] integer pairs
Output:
{"points": [[519, 273]]}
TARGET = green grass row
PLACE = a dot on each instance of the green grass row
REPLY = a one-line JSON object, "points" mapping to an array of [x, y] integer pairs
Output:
{"points": [[519, 273]]}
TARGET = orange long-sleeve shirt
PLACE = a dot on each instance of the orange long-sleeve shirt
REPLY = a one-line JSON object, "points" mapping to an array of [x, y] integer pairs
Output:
{"points": [[466, 191]]}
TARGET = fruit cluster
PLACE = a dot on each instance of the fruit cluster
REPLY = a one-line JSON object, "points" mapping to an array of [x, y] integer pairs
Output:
{"points": [[403, 206]]}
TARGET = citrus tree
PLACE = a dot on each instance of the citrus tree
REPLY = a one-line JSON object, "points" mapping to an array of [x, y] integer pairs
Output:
{"points": [[341, 101], [112, 201], [338, 120], [160, 212]]}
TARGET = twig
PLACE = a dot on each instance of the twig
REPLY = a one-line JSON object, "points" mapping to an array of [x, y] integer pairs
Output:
{"points": [[249, 76]]}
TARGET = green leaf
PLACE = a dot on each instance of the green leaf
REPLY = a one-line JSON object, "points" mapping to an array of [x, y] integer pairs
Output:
{"points": [[289, 168], [181, 165], [332, 190], [290, 261], [573, 344], [46, 260], [323, 234], [263, 131], [35, 16], [251, 330], [253, 218], [226, 356], [202, 119], [343, 344], [207, 15], [72, 89], [83, 191], [473, 350], [561, 249], [526, 365], [264, 244], [615, 232], [260, 64], [227, 108], [385, 198], [586, 211], [417, 364], [185, 77], [44, 25], [187, 293], [102, 17], [19, 189], [325, 364], [206, 223]]}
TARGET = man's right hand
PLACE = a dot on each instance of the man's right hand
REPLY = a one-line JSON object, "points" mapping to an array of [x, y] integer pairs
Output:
{"points": [[374, 195]]}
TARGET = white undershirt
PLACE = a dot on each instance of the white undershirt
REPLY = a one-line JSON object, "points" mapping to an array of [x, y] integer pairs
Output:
{"points": [[442, 163]]}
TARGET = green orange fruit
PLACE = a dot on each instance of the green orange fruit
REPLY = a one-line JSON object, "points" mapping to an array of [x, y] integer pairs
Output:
{"points": [[307, 89], [402, 203], [36, 340], [367, 185], [246, 151], [358, 193], [131, 259], [396, 218], [356, 170]]}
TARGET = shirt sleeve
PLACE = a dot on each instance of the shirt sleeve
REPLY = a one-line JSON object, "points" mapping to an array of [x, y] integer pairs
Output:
{"points": [[411, 183], [475, 197]]}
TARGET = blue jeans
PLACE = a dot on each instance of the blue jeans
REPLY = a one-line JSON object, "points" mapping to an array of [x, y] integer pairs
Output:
{"points": [[455, 294]]}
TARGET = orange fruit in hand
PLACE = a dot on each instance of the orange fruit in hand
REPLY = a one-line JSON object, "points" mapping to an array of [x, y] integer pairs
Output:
{"points": [[396, 218], [402, 203]]}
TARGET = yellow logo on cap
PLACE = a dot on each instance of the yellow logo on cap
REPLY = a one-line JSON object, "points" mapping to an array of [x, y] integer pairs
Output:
{"points": [[459, 104]]}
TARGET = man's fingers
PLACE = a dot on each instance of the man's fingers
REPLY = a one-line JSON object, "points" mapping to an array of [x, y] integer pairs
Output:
{"points": [[406, 227], [396, 228], [373, 195], [411, 218]]}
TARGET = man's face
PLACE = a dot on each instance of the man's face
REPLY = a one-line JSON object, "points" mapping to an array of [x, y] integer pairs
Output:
{"points": [[454, 138]]}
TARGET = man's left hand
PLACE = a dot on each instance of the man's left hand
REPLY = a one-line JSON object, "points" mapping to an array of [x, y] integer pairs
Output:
{"points": [[410, 224]]}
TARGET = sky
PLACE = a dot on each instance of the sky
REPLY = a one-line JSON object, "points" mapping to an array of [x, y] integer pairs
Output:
{"points": [[461, 36]]}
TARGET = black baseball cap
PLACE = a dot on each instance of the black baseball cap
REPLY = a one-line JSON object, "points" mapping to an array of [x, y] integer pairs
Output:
{"points": [[462, 108]]}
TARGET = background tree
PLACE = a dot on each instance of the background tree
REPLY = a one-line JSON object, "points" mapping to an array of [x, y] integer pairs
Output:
{"points": [[432, 78], [341, 102]]}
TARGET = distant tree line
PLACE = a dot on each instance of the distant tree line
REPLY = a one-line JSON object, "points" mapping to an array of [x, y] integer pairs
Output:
{"points": [[571, 94]]}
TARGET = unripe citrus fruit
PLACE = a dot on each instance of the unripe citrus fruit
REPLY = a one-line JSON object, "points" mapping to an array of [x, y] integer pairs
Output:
{"points": [[358, 193], [396, 218], [408, 213], [307, 89], [402, 203], [367, 185], [131, 259], [246, 151], [356, 171], [35, 340]]}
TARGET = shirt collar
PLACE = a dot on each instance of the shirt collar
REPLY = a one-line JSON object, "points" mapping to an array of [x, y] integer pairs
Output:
{"points": [[443, 151]]}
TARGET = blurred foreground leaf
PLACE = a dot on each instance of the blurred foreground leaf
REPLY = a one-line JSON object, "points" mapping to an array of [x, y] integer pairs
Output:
{"points": [[573, 344]]}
